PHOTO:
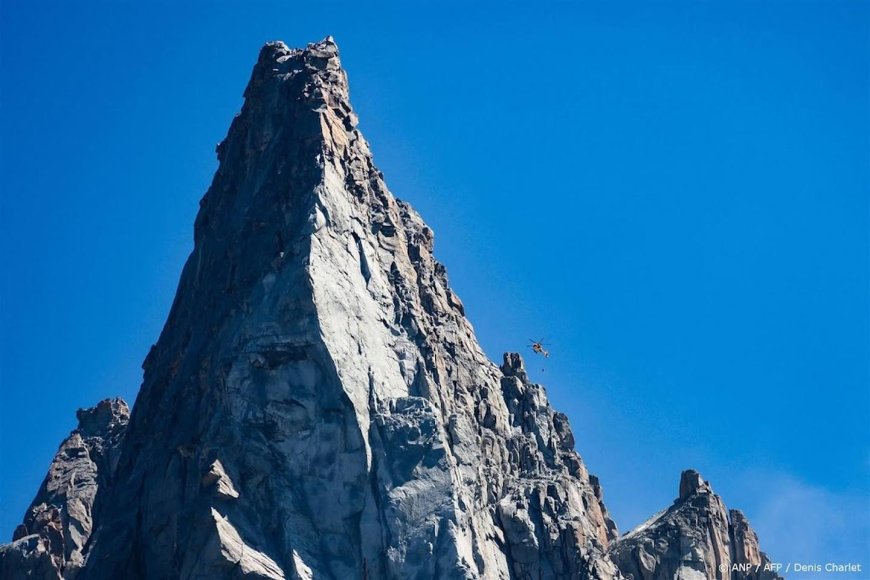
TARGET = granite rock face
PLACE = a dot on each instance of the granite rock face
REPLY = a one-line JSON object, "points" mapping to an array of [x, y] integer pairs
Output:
{"points": [[317, 405], [51, 541], [695, 539]]}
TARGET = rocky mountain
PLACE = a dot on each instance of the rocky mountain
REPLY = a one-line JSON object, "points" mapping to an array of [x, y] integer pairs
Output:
{"points": [[694, 539], [52, 540], [317, 405]]}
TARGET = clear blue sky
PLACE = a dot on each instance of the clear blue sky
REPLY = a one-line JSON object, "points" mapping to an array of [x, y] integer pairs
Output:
{"points": [[675, 195]]}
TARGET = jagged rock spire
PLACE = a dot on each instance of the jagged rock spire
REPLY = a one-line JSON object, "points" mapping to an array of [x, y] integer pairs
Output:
{"points": [[691, 482], [696, 538], [51, 541], [317, 405]]}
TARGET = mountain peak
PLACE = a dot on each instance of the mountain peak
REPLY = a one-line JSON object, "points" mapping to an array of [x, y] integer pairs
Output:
{"points": [[103, 417], [697, 537], [279, 63], [317, 404], [691, 483], [52, 539]]}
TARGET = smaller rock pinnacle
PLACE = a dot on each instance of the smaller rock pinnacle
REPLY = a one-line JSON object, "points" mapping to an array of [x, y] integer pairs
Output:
{"points": [[690, 483]]}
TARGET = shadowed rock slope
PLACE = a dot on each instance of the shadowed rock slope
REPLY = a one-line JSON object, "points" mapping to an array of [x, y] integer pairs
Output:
{"points": [[317, 405]]}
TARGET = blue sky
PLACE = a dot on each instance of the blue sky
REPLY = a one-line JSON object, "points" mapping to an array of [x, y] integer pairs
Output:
{"points": [[673, 194]]}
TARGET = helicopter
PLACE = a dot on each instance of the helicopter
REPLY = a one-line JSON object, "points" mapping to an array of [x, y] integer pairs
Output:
{"points": [[538, 347]]}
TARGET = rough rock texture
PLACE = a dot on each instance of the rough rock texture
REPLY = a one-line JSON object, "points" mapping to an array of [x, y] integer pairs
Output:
{"points": [[51, 541], [695, 539], [317, 405]]}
